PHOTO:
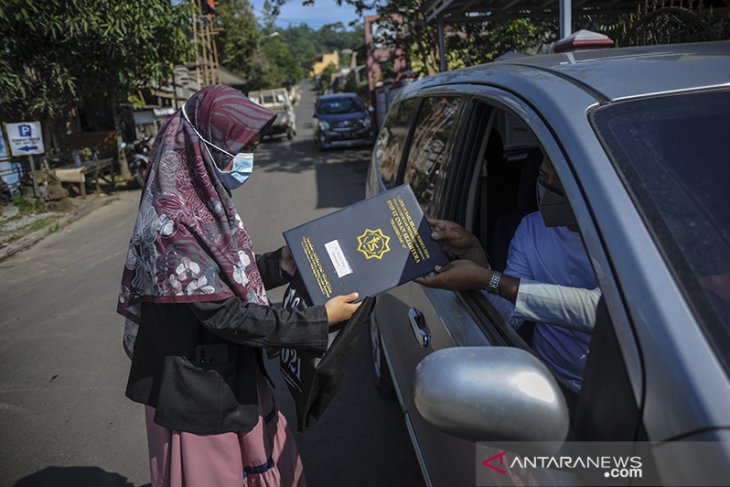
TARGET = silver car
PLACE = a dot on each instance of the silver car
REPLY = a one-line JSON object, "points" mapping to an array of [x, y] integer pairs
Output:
{"points": [[639, 139]]}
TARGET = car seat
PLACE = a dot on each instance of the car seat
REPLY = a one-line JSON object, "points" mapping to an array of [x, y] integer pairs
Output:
{"points": [[506, 225]]}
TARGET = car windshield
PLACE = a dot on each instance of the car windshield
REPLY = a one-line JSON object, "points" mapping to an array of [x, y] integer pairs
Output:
{"points": [[672, 152], [336, 106]]}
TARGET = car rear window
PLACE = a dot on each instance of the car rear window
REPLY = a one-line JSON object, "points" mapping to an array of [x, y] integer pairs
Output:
{"points": [[429, 157], [672, 152], [337, 106], [392, 140]]}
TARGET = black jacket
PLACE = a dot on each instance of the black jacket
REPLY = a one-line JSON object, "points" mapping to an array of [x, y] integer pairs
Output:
{"points": [[201, 398]]}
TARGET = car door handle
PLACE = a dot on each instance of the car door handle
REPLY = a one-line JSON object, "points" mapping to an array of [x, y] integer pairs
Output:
{"points": [[418, 325]]}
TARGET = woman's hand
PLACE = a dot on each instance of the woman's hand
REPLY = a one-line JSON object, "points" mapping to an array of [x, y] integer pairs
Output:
{"points": [[341, 308], [286, 262], [458, 241]]}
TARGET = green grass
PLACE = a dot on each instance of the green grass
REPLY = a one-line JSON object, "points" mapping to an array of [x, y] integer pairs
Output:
{"points": [[50, 222], [42, 223], [26, 206]]}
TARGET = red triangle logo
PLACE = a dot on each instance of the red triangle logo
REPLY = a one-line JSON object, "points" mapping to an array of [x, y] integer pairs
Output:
{"points": [[499, 456]]}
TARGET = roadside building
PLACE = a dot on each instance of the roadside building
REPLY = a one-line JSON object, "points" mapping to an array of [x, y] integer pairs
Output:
{"points": [[385, 62], [323, 60]]}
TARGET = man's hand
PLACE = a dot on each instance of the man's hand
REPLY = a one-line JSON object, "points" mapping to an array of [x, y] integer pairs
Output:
{"points": [[341, 308], [459, 275], [458, 241], [286, 262]]}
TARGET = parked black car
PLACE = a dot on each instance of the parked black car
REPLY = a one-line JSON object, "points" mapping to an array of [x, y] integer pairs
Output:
{"points": [[341, 120]]}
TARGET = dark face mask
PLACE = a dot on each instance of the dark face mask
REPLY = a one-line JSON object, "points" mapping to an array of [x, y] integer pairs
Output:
{"points": [[554, 206]]}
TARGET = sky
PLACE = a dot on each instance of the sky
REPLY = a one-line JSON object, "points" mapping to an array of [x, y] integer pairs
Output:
{"points": [[321, 13]]}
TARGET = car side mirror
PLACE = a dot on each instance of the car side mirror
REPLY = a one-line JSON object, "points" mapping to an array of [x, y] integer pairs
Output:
{"points": [[490, 394]]}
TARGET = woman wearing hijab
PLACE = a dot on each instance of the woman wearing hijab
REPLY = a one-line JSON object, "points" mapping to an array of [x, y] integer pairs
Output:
{"points": [[197, 316]]}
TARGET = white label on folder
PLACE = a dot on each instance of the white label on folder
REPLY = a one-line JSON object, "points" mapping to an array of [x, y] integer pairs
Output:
{"points": [[342, 267]]}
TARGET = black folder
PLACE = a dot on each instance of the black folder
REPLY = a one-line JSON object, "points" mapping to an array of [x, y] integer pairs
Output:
{"points": [[369, 247]]}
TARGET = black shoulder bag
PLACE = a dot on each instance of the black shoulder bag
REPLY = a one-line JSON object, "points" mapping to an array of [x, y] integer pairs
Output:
{"points": [[314, 378]]}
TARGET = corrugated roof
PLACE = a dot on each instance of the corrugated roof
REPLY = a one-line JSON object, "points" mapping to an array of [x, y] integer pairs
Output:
{"points": [[457, 11], [609, 74]]}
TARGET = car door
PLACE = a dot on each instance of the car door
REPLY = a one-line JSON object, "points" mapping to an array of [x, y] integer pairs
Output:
{"points": [[476, 179], [490, 196], [414, 320]]}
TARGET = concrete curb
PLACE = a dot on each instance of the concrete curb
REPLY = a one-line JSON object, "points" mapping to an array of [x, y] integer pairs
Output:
{"points": [[35, 237]]}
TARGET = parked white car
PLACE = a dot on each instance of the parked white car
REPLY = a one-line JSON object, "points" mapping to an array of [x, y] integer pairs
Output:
{"points": [[277, 100]]}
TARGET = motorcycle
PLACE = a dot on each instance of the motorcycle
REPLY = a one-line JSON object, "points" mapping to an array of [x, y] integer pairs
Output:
{"points": [[137, 153]]}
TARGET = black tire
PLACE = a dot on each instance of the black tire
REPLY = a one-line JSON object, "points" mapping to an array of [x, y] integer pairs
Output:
{"points": [[139, 178], [381, 372]]}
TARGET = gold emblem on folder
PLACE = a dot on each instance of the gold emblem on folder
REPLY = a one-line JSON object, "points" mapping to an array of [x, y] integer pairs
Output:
{"points": [[373, 244]]}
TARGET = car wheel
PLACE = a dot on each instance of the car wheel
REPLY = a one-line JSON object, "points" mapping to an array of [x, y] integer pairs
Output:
{"points": [[381, 373]]}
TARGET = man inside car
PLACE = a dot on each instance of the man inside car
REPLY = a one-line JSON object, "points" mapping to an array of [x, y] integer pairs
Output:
{"points": [[548, 278]]}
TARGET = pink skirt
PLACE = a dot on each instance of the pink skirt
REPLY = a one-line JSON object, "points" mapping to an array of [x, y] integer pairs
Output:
{"points": [[266, 456]]}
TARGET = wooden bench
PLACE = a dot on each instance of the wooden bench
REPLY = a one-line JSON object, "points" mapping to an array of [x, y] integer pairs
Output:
{"points": [[89, 171]]}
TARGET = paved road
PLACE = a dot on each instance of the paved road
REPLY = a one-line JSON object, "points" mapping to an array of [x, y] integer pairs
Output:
{"points": [[64, 420]]}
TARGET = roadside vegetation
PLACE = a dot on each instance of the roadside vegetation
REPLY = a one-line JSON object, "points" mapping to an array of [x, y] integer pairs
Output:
{"points": [[267, 56], [29, 216], [483, 39]]}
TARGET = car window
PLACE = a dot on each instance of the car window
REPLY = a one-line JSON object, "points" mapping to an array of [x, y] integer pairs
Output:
{"points": [[428, 157], [339, 106], [672, 153], [392, 140], [499, 186]]}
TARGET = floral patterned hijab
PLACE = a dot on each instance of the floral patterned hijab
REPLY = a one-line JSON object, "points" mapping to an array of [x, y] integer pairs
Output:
{"points": [[189, 243]]}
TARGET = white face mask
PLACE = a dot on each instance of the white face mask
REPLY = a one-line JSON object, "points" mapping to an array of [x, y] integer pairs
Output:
{"points": [[242, 163]]}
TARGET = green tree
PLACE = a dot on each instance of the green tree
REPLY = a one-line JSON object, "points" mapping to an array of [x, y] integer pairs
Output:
{"points": [[270, 13], [403, 25], [283, 60], [325, 80], [238, 35], [478, 43], [57, 54], [285, 69], [469, 43], [335, 36], [306, 43], [302, 44]]}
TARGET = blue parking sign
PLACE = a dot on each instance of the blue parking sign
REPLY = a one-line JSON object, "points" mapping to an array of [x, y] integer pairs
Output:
{"points": [[25, 138]]}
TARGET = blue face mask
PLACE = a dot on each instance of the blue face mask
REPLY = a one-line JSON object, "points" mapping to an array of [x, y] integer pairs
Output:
{"points": [[242, 163], [239, 173]]}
